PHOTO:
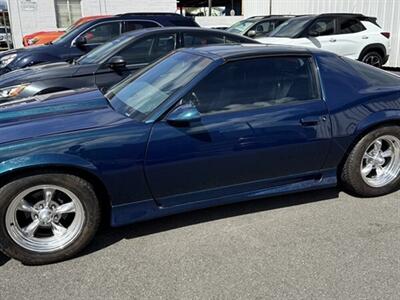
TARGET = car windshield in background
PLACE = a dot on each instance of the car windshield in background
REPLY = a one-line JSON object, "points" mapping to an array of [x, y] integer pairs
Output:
{"points": [[291, 27], [100, 53], [136, 97], [241, 26]]}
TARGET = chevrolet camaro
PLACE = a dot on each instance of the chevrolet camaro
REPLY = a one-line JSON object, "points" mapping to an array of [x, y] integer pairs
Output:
{"points": [[200, 127]]}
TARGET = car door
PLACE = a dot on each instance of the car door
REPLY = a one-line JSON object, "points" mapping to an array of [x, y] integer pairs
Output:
{"points": [[322, 34], [137, 55], [351, 38], [263, 124]]}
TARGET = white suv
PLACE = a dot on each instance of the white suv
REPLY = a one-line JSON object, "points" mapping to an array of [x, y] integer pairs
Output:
{"points": [[352, 35]]}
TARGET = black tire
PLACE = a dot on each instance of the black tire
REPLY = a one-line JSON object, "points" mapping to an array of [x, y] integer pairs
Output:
{"points": [[81, 188], [373, 58], [351, 173]]}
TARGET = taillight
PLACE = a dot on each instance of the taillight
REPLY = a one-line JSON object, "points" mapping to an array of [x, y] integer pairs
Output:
{"points": [[386, 34]]}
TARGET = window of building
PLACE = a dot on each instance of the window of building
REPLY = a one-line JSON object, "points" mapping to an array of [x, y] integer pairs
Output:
{"points": [[67, 12]]}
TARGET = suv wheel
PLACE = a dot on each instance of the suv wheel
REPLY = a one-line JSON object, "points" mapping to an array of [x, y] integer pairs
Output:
{"points": [[47, 218], [373, 58], [373, 166]]}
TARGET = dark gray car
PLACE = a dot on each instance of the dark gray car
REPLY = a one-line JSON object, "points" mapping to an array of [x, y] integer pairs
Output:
{"points": [[111, 62]]}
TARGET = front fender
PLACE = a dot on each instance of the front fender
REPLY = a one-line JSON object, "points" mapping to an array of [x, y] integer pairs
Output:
{"points": [[46, 160]]}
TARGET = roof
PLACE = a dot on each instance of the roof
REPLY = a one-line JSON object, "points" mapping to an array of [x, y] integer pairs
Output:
{"points": [[228, 52], [152, 30]]}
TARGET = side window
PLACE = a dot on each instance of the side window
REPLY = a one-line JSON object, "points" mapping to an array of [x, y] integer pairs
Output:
{"points": [[254, 84], [138, 52], [193, 39], [165, 43], [348, 25], [235, 40], [263, 27], [135, 25], [102, 33], [322, 26]]}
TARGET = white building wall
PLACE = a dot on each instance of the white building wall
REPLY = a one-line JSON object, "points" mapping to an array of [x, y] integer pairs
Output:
{"points": [[387, 12], [44, 17]]}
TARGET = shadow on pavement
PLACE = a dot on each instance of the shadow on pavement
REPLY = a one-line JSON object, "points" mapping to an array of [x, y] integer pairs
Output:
{"points": [[3, 259], [109, 236]]}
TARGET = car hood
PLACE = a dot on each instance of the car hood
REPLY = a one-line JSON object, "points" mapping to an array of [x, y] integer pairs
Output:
{"points": [[44, 72], [56, 113]]}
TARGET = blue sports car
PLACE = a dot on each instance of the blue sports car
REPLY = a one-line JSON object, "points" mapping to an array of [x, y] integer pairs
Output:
{"points": [[201, 127]]}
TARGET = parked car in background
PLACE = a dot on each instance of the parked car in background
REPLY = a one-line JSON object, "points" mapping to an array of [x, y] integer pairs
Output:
{"points": [[110, 63], [351, 35], [45, 37], [204, 126], [258, 26], [86, 37], [5, 37]]}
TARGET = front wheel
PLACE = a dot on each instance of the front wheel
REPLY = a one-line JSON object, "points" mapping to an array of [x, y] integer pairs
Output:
{"points": [[47, 218], [373, 166]]}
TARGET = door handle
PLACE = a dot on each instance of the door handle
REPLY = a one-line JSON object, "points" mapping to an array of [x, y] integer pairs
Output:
{"points": [[332, 40], [364, 37], [311, 121]]}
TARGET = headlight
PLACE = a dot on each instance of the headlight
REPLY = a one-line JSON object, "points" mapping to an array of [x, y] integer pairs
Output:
{"points": [[32, 41], [7, 59], [12, 91]]}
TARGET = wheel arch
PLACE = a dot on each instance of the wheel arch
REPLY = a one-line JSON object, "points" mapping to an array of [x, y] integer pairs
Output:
{"points": [[366, 127], [377, 47], [11, 174]]}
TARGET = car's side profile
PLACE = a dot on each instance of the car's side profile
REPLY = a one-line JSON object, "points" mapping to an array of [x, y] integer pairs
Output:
{"points": [[110, 63], [351, 35], [87, 36], [202, 127]]}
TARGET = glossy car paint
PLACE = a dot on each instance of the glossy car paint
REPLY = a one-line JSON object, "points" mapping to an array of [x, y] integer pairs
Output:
{"points": [[66, 50], [66, 76], [149, 169]]}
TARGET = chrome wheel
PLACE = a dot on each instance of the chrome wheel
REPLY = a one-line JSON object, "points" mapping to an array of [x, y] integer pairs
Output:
{"points": [[373, 60], [45, 218], [380, 163]]}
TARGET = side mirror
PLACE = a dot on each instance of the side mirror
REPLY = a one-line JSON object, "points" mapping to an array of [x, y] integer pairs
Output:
{"points": [[183, 115], [117, 63], [80, 42], [251, 33]]}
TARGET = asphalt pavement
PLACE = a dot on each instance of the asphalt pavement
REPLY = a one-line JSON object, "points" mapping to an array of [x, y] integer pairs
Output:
{"points": [[316, 245]]}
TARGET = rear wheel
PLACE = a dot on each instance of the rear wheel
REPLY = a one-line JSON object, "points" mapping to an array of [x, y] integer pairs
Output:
{"points": [[373, 58], [373, 166], [47, 218]]}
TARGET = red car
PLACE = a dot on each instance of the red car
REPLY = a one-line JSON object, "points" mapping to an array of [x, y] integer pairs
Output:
{"points": [[45, 37]]}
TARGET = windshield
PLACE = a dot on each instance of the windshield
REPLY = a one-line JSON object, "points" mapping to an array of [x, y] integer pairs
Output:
{"points": [[291, 28], [97, 55], [137, 97], [69, 33], [241, 26]]}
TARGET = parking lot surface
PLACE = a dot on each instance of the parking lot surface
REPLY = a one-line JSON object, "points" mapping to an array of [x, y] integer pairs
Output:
{"points": [[320, 245]]}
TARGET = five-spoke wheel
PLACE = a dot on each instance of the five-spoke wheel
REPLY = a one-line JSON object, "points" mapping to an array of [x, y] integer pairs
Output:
{"points": [[373, 166], [47, 217]]}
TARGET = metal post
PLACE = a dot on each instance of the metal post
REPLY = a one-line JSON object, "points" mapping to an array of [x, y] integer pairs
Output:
{"points": [[209, 7], [270, 7]]}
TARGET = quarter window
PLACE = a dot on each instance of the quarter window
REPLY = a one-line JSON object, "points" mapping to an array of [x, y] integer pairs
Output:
{"points": [[351, 26], [256, 84], [323, 26], [102, 33]]}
